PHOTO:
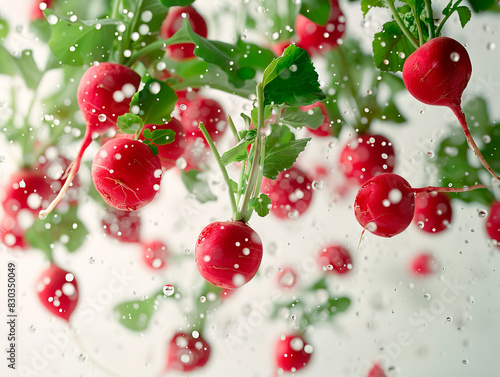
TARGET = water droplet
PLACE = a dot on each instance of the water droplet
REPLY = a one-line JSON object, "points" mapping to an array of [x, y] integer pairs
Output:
{"points": [[465, 361], [318, 184], [490, 46], [91, 260], [102, 117], [420, 225], [168, 290], [487, 139], [449, 319], [427, 296], [203, 299], [455, 57], [83, 357], [482, 213], [430, 154]]}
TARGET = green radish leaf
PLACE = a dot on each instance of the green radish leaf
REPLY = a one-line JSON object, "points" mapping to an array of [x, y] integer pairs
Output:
{"points": [[163, 137], [197, 186], [174, 3], [147, 133], [390, 112], [464, 15], [81, 42], [154, 149], [297, 118], [261, 205], [254, 56], [336, 119], [158, 11], [129, 123], [234, 185], [7, 62], [338, 305], [366, 5], [484, 5], [155, 102], [135, 315], [391, 48], [29, 70], [318, 11], [4, 28], [236, 153], [254, 114], [291, 79], [281, 150]]}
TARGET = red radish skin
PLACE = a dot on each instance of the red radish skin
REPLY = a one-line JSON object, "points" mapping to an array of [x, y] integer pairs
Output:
{"points": [[325, 130], [365, 156], [173, 22], [335, 259], [124, 226], [286, 277], [437, 73], [433, 212], [376, 371], [126, 174], [171, 152], [423, 264], [187, 353], [292, 353], [228, 253], [12, 233], [36, 12], [155, 254], [317, 39], [57, 290], [385, 205], [103, 94], [493, 223], [291, 193]]}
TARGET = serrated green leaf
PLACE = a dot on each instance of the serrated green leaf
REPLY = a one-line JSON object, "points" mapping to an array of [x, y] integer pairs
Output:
{"points": [[163, 137], [254, 56], [154, 102], [197, 186], [236, 153], [254, 114], [261, 205], [318, 11], [135, 315], [464, 15], [366, 5], [291, 79], [129, 123], [295, 117], [391, 48], [485, 5], [81, 42]]}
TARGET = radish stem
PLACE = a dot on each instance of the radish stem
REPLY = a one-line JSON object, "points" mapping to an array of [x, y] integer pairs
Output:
{"points": [[429, 189], [401, 24], [430, 18]]}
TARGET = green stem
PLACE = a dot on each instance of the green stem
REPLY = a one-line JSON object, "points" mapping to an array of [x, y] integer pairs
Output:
{"points": [[156, 45], [259, 177], [430, 18], [452, 10], [401, 24], [222, 168], [232, 127], [125, 43], [419, 28], [116, 8]]}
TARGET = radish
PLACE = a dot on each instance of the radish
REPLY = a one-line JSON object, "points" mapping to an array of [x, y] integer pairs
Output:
{"points": [[493, 223], [103, 94], [335, 258], [125, 226], [376, 371], [187, 353], [433, 212], [58, 291], [37, 8], [325, 130], [292, 353], [317, 39], [437, 73], [126, 174], [171, 152], [228, 253], [286, 277], [155, 254], [423, 264], [291, 193], [173, 22], [12, 233], [365, 156]]}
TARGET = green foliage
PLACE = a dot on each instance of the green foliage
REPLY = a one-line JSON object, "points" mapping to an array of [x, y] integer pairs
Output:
{"points": [[294, 117], [391, 48], [261, 205], [155, 102], [196, 185], [173, 3], [129, 123], [317, 11]]}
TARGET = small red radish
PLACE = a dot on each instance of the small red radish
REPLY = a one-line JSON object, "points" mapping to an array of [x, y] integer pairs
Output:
{"points": [[12, 233], [493, 223], [292, 353], [317, 39], [325, 130], [291, 193], [155, 254], [187, 353], [335, 258], [37, 8], [169, 153], [58, 291], [173, 22], [365, 156], [103, 94], [385, 205], [423, 264], [228, 253], [26, 189], [278, 47], [286, 277], [126, 174], [433, 212], [376, 371], [125, 226], [437, 73]]}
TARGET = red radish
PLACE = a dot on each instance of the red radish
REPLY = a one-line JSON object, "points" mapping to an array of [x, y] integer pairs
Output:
{"points": [[169, 153], [155, 254], [25, 190], [173, 22], [126, 174], [286, 277], [376, 371], [58, 291], [228, 253], [292, 353], [187, 353], [12, 233], [325, 130], [493, 223], [103, 94], [433, 212], [437, 73], [279, 47], [37, 8], [365, 156], [125, 226], [335, 258], [385, 205], [204, 110], [423, 264], [317, 39]]}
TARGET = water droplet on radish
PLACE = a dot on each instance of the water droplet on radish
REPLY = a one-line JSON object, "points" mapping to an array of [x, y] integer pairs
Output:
{"points": [[455, 57], [297, 344], [168, 290], [395, 196], [293, 214], [238, 280]]}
